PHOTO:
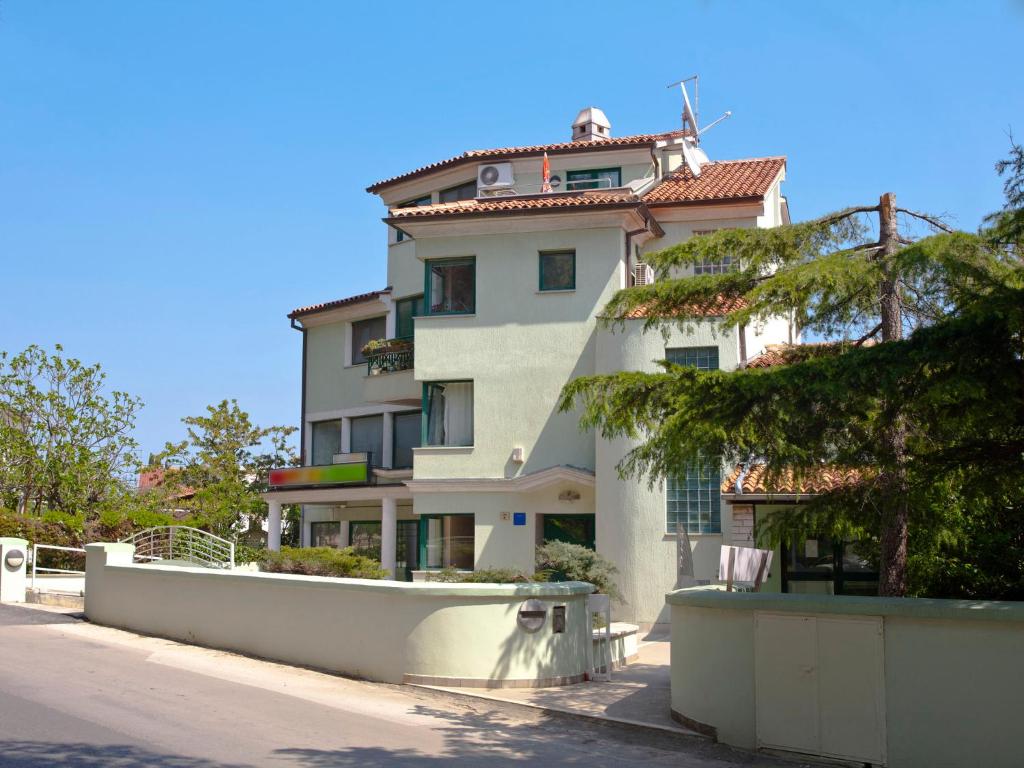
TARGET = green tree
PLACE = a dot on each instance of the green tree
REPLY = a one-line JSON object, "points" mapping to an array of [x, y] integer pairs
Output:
{"points": [[925, 356], [65, 443], [223, 466]]}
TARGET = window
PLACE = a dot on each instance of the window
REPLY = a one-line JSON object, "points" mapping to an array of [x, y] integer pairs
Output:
{"points": [[597, 178], [405, 311], [711, 267], [446, 541], [694, 497], [448, 413], [326, 534], [364, 537], [704, 358], [573, 529], [425, 200], [558, 270], [823, 566], [451, 286], [407, 429], [364, 331], [465, 191], [368, 437], [326, 441]]}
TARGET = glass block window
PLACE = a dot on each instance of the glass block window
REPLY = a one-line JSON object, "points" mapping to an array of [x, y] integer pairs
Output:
{"points": [[695, 499], [693, 496]]}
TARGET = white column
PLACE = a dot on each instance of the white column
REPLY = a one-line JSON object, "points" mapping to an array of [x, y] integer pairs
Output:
{"points": [[343, 534], [389, 535], [274, 526], [387, 458]]}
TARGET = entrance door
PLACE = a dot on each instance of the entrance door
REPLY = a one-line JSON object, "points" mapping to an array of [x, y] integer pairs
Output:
{"points": [[572, 529], [407, 557]]}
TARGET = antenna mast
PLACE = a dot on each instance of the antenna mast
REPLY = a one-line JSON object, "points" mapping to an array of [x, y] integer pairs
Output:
{"points": [[689, 116]]}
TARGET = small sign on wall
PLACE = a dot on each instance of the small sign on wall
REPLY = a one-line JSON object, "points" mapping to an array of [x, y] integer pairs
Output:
{"points": [[518, 518], [506, 516]]}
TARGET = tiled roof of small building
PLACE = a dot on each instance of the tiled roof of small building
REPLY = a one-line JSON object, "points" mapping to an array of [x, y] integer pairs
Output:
{"points": [[720, 307], [722, 180], [560, 148], [358, 299], [809, 482]]}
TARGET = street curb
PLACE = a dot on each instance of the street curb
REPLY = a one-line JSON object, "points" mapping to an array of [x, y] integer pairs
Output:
{"points": [[633, 726]]}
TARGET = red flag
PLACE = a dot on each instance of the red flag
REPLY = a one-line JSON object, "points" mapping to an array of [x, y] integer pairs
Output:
{"points": [[545, 175]]}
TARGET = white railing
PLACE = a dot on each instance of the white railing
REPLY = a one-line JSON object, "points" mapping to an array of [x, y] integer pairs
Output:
{"points": [[180, 542], [35, 561]]}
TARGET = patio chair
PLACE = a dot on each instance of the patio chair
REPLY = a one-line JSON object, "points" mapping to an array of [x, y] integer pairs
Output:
{"points": [[743, 566], [600, 605]]}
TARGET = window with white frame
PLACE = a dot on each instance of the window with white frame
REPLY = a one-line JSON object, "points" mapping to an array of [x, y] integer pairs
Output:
{"points": [[326, 441], [693, 496], [711, 267]]}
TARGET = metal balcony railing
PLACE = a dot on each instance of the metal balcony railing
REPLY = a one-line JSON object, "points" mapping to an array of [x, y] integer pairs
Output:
{"points": [[394, 356]]}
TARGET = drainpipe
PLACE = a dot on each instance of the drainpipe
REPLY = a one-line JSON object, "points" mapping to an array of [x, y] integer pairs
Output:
{"points": [[743, 345], [302, 420]]}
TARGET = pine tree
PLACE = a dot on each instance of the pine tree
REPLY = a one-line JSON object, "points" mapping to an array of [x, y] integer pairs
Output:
{"points": [[906, 320]]}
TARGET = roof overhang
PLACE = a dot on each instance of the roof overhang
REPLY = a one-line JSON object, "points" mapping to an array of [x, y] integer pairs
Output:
{"points": [[338, 494], [355, 308], [629, 215], [524, 483]]}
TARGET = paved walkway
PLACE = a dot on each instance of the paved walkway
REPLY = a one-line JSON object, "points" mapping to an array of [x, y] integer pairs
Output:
{"points": [[639, 694]]}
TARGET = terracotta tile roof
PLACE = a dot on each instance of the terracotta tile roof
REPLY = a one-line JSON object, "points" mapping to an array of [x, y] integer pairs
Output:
{"points": [[561, 148], [153, 477], [313, 308], [518, 203], [782, 354], [722, 180], [774, 354], [720, 307], [821, 480]]}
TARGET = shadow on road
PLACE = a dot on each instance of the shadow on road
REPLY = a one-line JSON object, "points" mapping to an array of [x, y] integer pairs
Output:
{"points": [[26, 754]]}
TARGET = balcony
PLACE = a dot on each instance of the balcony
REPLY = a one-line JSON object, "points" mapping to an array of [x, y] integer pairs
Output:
{"points": [[389, 373]]}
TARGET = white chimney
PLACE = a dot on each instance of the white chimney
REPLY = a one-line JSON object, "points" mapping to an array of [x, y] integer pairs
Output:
{"points": [[591, 125]]}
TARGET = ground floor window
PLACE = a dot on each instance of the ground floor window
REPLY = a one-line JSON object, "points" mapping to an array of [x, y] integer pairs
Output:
{"points": [[694, 498], [447, 541], [822, 566], [325, 534], [364, 537], [572, 529]]}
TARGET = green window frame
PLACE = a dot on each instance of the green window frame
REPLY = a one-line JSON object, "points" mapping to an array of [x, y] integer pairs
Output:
{"points": [[457, 554], [425, 200], [576, 180], [446, 274], [439, 428], [405, 310], [465, 191], [554, 276], [693, 497]]}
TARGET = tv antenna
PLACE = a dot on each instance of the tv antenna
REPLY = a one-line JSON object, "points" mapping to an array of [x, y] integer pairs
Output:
{"points": [[693, 155], [691, 129]]}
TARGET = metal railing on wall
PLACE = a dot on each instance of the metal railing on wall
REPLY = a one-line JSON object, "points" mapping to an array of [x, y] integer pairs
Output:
{"points": [[180, 542], [41, 569]]}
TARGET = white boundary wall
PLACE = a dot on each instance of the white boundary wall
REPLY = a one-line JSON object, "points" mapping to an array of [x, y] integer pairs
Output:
{"points": [[430, 633], [913, 682]]}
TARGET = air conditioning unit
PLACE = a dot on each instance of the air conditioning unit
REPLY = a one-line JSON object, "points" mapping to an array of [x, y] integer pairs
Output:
{"points": [[495, 177], [642, 274]]}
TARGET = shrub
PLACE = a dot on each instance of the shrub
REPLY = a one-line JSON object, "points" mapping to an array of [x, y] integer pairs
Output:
{"points": [[482, 576], [247, 554], [321, 561], [559, 561]]}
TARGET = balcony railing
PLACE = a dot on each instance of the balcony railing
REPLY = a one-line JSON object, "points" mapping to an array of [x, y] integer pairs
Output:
{"points": [[389, 357]]}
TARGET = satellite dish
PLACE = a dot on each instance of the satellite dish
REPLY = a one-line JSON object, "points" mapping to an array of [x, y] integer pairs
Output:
{"points": [[692, 158]]}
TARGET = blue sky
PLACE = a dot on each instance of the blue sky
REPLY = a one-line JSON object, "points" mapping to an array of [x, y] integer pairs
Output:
{"points": [[177, 175]]}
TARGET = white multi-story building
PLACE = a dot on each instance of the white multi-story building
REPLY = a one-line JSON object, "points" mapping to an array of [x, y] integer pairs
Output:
{"points": [[445, 446]]}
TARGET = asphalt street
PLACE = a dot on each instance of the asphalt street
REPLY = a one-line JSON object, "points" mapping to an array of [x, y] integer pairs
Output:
{"points": [[74, 694]]}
